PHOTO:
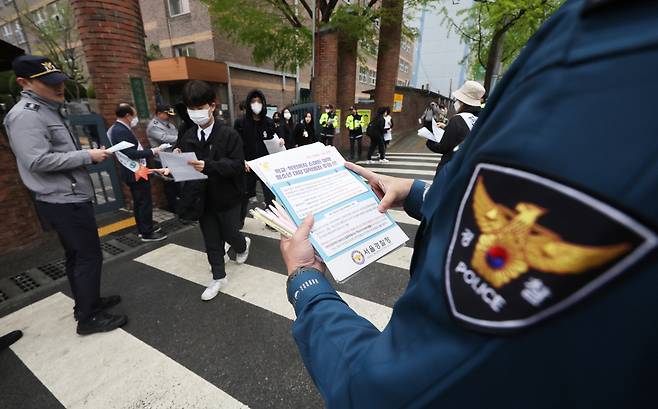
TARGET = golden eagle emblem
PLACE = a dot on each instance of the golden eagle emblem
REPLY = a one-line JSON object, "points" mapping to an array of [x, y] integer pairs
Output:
{"points": [[511, 242]]}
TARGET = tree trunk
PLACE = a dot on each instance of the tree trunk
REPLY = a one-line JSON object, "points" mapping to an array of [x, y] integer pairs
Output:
{"points": [[323, 84], [493, 58], [388, 54], [347, 53]]}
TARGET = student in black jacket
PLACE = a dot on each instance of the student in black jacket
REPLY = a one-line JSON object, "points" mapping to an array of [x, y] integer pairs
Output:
{"points": [[254, 128], [220, 156], [376, 131], [140, 190], [286, 128], [467, 105], [305, 131]]}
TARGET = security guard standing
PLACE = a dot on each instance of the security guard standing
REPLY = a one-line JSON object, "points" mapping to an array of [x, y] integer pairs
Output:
{"points": [[533, 276], [328, 125], [160, 131], [353, 124], [51, 164]]}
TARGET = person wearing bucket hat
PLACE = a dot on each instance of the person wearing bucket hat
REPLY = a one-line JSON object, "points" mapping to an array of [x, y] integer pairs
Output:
{"points": [[467, 106], [51, 163]]}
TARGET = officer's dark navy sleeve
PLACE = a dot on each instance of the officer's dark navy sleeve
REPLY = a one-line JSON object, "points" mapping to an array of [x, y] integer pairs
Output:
{"points": [[453, 134], [414, 201]]}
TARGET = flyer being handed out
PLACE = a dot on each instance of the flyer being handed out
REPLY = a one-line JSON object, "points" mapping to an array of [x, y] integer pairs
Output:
{"points": [[348, 232]]}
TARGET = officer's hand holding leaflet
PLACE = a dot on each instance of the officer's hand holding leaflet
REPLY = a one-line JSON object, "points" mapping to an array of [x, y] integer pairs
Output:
{"points": [[99, 155], [391, 191], [298, 251]]}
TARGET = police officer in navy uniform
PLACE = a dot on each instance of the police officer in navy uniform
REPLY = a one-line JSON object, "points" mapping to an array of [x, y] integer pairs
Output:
{"points": [[533, 277], [52, 164]]}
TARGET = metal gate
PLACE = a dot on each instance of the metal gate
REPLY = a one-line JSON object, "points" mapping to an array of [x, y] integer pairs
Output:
{"points": [[90, 131]]}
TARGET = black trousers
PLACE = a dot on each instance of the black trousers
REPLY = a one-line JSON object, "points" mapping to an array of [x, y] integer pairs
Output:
{"points": [[171, 191], [251, 181], [376, 142], [327, 139], [142, 206], [355, 143], [75, 224], [219, 227]]}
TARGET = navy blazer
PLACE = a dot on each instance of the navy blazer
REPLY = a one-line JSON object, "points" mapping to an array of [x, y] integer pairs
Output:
{"points": [[120, 132]]}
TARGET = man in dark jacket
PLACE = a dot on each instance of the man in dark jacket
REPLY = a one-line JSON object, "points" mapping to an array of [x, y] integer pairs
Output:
{"points": [[254, 128], [220, 156], [139, 189], [467, 105]]}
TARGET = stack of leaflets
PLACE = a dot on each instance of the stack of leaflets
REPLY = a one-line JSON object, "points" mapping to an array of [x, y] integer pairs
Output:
{"points": [[349, 232]]}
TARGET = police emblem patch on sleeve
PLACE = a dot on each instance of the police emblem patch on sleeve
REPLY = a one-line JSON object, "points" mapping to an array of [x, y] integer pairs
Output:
{"points": [[32, 106], [526, 247]]}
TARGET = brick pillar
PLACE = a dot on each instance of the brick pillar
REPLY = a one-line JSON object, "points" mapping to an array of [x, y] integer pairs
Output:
{"points": [[347, 50], [326, 70], [388, 55], [112, 36], [20, 225]]}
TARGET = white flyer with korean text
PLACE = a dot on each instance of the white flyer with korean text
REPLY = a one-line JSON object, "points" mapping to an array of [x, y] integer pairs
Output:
{"points": [[349, 232]]}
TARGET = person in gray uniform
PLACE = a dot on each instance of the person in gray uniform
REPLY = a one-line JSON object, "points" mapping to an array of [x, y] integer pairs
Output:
{"points": [[160, 130], [51, 164]]}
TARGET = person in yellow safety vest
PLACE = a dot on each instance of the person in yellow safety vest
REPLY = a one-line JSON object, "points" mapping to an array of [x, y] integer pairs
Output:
{"points": [[353, 124], [328, 122]]}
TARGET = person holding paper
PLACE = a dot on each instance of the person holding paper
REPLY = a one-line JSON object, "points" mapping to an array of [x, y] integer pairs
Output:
{"points": [[534, 270], [161, 131], [140, 190], [467, 105], [305, 131], [255, 128], [375, 131], [221, 158], [52, 165]]}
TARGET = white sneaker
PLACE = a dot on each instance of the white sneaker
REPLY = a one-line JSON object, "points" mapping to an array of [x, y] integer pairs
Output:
{"points": [[240, 258], [383, 160], [213, 289], [369, 162]]}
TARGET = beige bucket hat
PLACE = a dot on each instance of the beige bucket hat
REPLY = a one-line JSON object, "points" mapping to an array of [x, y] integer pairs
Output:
{"points": [[470, 93]]}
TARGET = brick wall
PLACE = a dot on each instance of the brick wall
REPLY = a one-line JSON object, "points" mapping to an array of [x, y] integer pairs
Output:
{"points": [[20, 225], [112, 36], [347, 56], [243, 81]]}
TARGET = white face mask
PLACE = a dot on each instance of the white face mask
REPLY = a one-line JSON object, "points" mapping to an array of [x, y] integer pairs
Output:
{"points": [[287, 115], [458, 105], [199, 116], [256, 107], [134, 122], [326, 110]]}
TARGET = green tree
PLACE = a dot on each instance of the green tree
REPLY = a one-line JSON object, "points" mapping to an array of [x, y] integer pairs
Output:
{"points": [[497, 31]]}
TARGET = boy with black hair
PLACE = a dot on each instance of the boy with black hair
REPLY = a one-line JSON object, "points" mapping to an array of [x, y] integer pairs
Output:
{"points": [[219, 155]]}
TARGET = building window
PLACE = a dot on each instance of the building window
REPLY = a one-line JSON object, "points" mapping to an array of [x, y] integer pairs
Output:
{"points": [[178, 7], [363, 75], [55, 13], [185, 50], [372, 74], [18, 30], [7, 34], [404, 66], [39, 17], [406, 46]]}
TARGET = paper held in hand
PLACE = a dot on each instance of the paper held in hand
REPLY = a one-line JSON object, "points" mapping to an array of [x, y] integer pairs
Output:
{"points": [[436, 135], [349, 232], [120, 146], [177, 164]]}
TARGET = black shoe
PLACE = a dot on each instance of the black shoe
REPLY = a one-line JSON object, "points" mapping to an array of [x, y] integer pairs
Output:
{"points": [[101, 322], [103, 304], [156, 229], [7, 340], [155, 236]]}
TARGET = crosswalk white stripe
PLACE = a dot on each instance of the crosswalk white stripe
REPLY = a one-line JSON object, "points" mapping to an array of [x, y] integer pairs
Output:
{"points": [[254, 285], [399, 258], [404, 163], [416, 154], [403, 217], [410, 158], [111, 370], [404, 171]]}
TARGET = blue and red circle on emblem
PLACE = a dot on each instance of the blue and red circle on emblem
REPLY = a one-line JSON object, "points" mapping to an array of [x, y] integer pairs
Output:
{"points": [[497, 257], [358, 257]]}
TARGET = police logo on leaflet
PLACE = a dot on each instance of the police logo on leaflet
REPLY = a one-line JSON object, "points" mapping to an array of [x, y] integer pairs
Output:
{"points": [[526, 247]]}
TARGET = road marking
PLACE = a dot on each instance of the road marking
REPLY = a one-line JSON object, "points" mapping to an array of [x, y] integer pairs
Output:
{"points": [[403, 217], [400, 258], [254, 285], [110, 370], [404, 163], [114, 227], [403, 171]]}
